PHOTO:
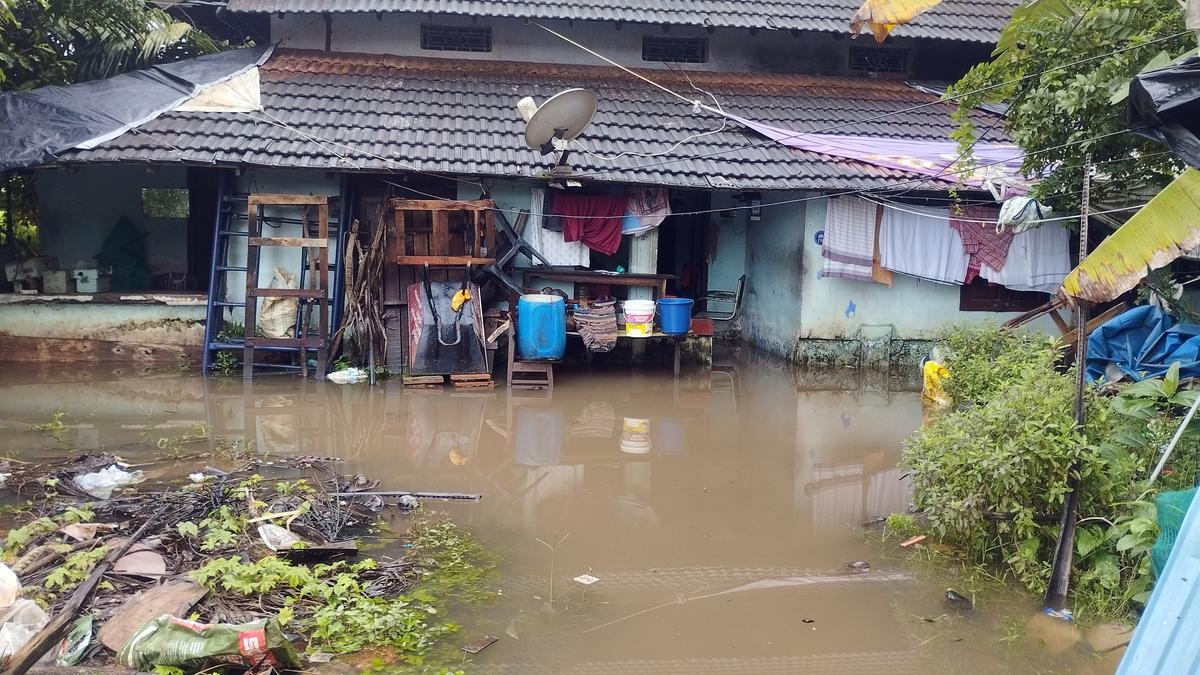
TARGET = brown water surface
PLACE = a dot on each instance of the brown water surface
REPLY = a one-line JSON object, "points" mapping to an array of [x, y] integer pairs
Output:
{"points": [[719, 537]]}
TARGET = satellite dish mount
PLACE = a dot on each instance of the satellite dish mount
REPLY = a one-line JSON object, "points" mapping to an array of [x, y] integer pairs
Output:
{"points": [[563, 117]]}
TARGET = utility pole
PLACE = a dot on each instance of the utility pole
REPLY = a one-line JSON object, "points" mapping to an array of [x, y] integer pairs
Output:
{"points": [[1060, 573]]}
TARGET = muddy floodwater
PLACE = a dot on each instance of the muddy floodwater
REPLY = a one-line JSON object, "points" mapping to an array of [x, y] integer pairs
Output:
{"points": [[644, 524]]}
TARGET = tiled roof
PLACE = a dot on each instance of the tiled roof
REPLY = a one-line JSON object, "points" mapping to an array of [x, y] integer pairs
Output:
{"points": [[354, 112], [971, 20]]}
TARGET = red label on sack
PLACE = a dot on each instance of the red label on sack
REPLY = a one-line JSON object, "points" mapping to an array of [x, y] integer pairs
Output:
{"points": [[253, 646]]}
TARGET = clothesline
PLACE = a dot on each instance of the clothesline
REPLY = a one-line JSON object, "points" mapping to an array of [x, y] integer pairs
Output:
{"points": [[898, 207]]}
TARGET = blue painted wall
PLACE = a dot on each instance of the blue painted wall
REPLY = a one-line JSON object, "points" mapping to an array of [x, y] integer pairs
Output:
{"points": [[775, 246]]}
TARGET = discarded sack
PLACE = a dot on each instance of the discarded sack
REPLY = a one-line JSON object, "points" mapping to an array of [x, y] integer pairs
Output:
{"points": [[278, 316], [193, 646], [100, 484]]}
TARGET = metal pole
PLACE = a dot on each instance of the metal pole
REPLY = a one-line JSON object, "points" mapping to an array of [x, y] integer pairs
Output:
{"points": [[1162, 462], [1060, 573]]}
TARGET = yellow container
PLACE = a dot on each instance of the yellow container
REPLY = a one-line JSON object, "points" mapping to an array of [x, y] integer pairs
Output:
{"points": [[639, 330]]}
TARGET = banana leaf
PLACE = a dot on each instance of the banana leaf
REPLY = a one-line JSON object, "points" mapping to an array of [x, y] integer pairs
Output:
{"points": [[881, 16], [1164, 229]]}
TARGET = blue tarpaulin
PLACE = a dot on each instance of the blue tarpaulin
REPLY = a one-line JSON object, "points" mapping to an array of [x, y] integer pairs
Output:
{"points": [[1144, 342]]}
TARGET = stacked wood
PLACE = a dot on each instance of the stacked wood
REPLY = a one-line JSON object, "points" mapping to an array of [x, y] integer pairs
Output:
{"points": [[362, 320]]}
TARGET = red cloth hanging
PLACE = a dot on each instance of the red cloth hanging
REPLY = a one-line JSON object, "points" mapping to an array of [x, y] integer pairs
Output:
{"points": [[593, 219]]}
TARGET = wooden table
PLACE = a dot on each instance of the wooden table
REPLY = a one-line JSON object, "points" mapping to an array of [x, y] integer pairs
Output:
{"points": [[658, 282]]}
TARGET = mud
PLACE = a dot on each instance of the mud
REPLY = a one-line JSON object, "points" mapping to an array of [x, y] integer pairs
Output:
{"points": [[717, 511]]}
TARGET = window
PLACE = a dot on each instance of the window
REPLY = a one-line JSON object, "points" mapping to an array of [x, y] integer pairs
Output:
{"points": [[981, 296], [873, 60], [165, 203], [456, 38], [674, 49]]}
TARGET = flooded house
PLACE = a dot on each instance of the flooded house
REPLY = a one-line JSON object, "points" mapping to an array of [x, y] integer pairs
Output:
{"points": [[796, 183]]}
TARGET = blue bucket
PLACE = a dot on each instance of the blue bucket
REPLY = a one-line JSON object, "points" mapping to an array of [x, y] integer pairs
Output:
{"points": [[675, 315]]}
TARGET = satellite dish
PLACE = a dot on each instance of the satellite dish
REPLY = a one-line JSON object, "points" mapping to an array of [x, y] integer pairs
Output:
{"points": [[562, 117]]}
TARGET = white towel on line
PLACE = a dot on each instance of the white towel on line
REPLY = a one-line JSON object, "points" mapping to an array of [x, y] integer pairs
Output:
{"points": [[922, 244], [1038, 260]]}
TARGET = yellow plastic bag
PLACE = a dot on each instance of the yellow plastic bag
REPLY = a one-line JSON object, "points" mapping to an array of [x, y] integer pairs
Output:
{"points": [[932, 391]]}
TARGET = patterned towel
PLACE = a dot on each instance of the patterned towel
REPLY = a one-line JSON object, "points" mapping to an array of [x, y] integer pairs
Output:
{"points": [[981, 241], [849, 244], [598, 326]]}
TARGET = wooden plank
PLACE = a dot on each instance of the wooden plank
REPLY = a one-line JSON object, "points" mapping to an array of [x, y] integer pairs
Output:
{"points": [[310, 293], [484, 384], [270, 199], [397, 245], [440, 244], [423, 379], [489, 223], [448, 260], [307, 242], [470, 377], [476, 228], [251, 316], [442, 204], [1058, 321], [1097, 321], [14, 348]]}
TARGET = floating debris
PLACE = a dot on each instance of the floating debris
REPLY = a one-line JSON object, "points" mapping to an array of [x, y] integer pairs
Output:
{"points": [[957, 601], [480, 644], [856, 566], [586, 579]]}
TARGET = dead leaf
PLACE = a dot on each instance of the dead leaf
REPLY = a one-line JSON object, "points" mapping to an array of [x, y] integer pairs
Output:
{"points": [[141, 564]]}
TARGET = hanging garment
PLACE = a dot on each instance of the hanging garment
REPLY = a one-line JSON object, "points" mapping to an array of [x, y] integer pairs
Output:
{"points": [[919, 242], [982, 242], [550, 243], [646, 209], [1017, 213], [1038, 260], [593, 219], [849, 244], [879, 274]]}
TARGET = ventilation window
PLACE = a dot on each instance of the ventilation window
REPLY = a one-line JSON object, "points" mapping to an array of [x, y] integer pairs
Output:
{"points": [[674, 49], [878, 60], [456, 38]]}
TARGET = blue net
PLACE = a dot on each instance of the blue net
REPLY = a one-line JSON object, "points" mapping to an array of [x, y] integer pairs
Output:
{"points": [[1172, 507]]}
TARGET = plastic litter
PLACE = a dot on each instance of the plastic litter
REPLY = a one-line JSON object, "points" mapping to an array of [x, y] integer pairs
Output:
{"points": [[100, 484], [10, 587], [72, 648], [18, 624], [347, 376], [408, 502], [277, 538], [586, 579], [193, 646]]}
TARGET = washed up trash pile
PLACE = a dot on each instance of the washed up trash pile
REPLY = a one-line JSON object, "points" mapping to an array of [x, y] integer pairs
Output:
{"points": [[257, 568]]}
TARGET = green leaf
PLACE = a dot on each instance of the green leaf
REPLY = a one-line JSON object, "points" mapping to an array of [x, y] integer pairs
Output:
{"points": [[188, 529], [1087, 539], [1171, 380], [1127, 542], [1155, 236]]}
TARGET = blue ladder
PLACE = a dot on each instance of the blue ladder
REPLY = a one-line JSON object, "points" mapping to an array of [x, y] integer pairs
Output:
{"points": [[229, 237]]}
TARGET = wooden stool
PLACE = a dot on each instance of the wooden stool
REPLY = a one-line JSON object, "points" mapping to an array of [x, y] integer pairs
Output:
{"points": [[527, 374]]}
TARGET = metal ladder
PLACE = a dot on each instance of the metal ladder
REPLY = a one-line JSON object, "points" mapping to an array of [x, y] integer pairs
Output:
{"points": [[230, 237]]}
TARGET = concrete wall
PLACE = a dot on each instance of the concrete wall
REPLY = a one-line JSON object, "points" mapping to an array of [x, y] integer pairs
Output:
{"points": [[77, 210], [514, 40], [910, 309], [155, 323], [772, 309]]}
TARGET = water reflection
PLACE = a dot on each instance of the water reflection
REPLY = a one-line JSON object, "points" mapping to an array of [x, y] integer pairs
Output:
{"points": [[716, 510]]}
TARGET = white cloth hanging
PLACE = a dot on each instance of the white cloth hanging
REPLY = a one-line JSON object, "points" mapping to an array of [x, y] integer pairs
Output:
{"points": [[922, 244], [550, 243], [1038, 260]]}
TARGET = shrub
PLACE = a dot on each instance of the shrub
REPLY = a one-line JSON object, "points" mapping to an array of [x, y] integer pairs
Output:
{"points": [[984, 361]]}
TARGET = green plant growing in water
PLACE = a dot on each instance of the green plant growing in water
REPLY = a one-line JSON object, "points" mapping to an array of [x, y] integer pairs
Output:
{"points": [[900, 525], [231, 331], [225, 363], [991, 476], [53, 428]]}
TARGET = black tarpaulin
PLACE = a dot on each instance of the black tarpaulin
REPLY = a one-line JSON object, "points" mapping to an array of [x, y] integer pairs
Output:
{"points": [[41, 123], [1164, 105]]}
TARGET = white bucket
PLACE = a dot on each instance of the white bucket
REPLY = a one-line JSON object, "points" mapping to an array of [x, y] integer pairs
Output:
{"points": [[639, 311]]}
